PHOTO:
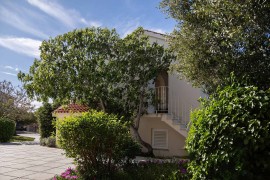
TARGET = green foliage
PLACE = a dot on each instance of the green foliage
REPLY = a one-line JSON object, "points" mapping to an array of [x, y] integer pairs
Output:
{"points": [[15, 104], [98, 141], [49, 141], [153, 170], [21, 139], [98, 69], [214, 38], [81, 57], [109, 72], [7, 129], [142, 170], [45, 120], [230, 135]]}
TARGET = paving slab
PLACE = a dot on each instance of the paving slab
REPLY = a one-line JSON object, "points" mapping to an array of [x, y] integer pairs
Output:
{"points": [[31, 162], [4, 177]]}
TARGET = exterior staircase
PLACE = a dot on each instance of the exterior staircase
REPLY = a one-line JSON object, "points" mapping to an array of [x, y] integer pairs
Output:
{"points": [[173, 109], [175, 124]]}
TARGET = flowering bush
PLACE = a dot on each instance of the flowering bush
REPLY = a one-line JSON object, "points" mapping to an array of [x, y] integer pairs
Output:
{"points": [[144, 169], [68, 174]]}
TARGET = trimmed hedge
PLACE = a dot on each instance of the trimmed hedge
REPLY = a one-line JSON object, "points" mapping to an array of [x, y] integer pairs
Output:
{"points": [[45, 120], [230, 135], [7, 129], [99, 143]]}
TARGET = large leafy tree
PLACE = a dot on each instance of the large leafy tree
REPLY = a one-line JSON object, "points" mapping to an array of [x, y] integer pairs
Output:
{"points": [[73, 66], [95, 66], [15, 104], [214, 38]]}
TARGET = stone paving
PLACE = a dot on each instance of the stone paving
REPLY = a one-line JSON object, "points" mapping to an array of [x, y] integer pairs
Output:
{"points": [[32, 162]]}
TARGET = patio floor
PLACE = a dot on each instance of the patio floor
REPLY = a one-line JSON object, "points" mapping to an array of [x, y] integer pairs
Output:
{"points": [[31, 162]]}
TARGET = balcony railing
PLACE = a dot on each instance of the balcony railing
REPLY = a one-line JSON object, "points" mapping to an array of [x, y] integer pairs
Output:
{"points": [[161, 99]]}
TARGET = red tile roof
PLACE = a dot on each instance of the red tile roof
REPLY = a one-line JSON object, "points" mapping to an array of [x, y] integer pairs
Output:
{"points": [[72, 108]]}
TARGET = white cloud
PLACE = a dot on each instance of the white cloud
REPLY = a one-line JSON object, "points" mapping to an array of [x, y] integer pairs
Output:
{"points": [[15, 19], [12, 74], [8, 67], [12, 68], [90, 23], [67, 16], [127, 26], [27, 46], [36, 104]]}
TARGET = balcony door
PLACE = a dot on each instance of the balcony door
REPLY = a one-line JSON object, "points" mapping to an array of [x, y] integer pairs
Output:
{"points": [[161, 91]]}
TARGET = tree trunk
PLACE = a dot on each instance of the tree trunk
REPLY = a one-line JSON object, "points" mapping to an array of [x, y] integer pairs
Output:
{"points": [[102, 105], [142, 142], [135, 128]]}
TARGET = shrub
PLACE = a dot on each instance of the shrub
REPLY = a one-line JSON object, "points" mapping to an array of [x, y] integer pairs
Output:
{"points": [[7, 129], [230, 135], [45, 120], [150, 170], [49, 142], [99, 142], [154, 170]]}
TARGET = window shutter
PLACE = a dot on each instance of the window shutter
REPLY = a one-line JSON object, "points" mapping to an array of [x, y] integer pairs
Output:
{"points": [[160, 138]]}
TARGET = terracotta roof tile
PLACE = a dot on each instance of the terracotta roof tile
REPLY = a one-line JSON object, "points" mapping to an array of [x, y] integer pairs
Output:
{"points": [[72, 108]]}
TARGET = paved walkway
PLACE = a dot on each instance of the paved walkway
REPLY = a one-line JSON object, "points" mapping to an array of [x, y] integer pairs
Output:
{"points": [[29, 134], [32, 162]]}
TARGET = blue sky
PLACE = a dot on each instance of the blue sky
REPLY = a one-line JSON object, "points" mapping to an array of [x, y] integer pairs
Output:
{"points": [[25, 23]]}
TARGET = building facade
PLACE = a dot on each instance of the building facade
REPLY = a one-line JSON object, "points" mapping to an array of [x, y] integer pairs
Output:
{"points": [[165, 126]]}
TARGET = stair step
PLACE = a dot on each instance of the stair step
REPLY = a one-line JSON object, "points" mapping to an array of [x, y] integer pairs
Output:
{"points": [[183, 127], [176, 123]]}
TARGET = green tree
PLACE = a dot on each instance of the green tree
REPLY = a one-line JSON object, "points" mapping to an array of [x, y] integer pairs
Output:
{"points": [[45, 120], [15, 104], [95, 66], [214, 38]]}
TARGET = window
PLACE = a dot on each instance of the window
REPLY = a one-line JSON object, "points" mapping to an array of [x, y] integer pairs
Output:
{"points": [[160, 138]]}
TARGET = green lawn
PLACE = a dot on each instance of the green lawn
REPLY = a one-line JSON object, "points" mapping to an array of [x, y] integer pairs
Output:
{"points": [[21, 138]]}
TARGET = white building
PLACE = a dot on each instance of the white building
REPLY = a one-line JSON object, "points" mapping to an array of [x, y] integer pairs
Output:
{"points": [[165, 126]]}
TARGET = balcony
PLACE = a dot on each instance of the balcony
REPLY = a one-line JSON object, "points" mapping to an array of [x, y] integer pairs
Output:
{"points": [[161, 99]]}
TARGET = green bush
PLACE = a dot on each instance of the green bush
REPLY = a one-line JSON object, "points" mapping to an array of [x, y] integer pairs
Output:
{"points": [[99, 142], [230, 135], [154, 170], [142, 170], [7, 129], [45, 120], [49, 141]]}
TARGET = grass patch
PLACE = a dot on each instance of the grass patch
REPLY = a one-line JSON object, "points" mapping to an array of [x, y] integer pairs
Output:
{"points": [[21, 138]]}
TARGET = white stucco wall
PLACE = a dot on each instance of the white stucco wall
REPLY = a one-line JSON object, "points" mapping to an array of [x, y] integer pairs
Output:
{"points": [[176, 142]]}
